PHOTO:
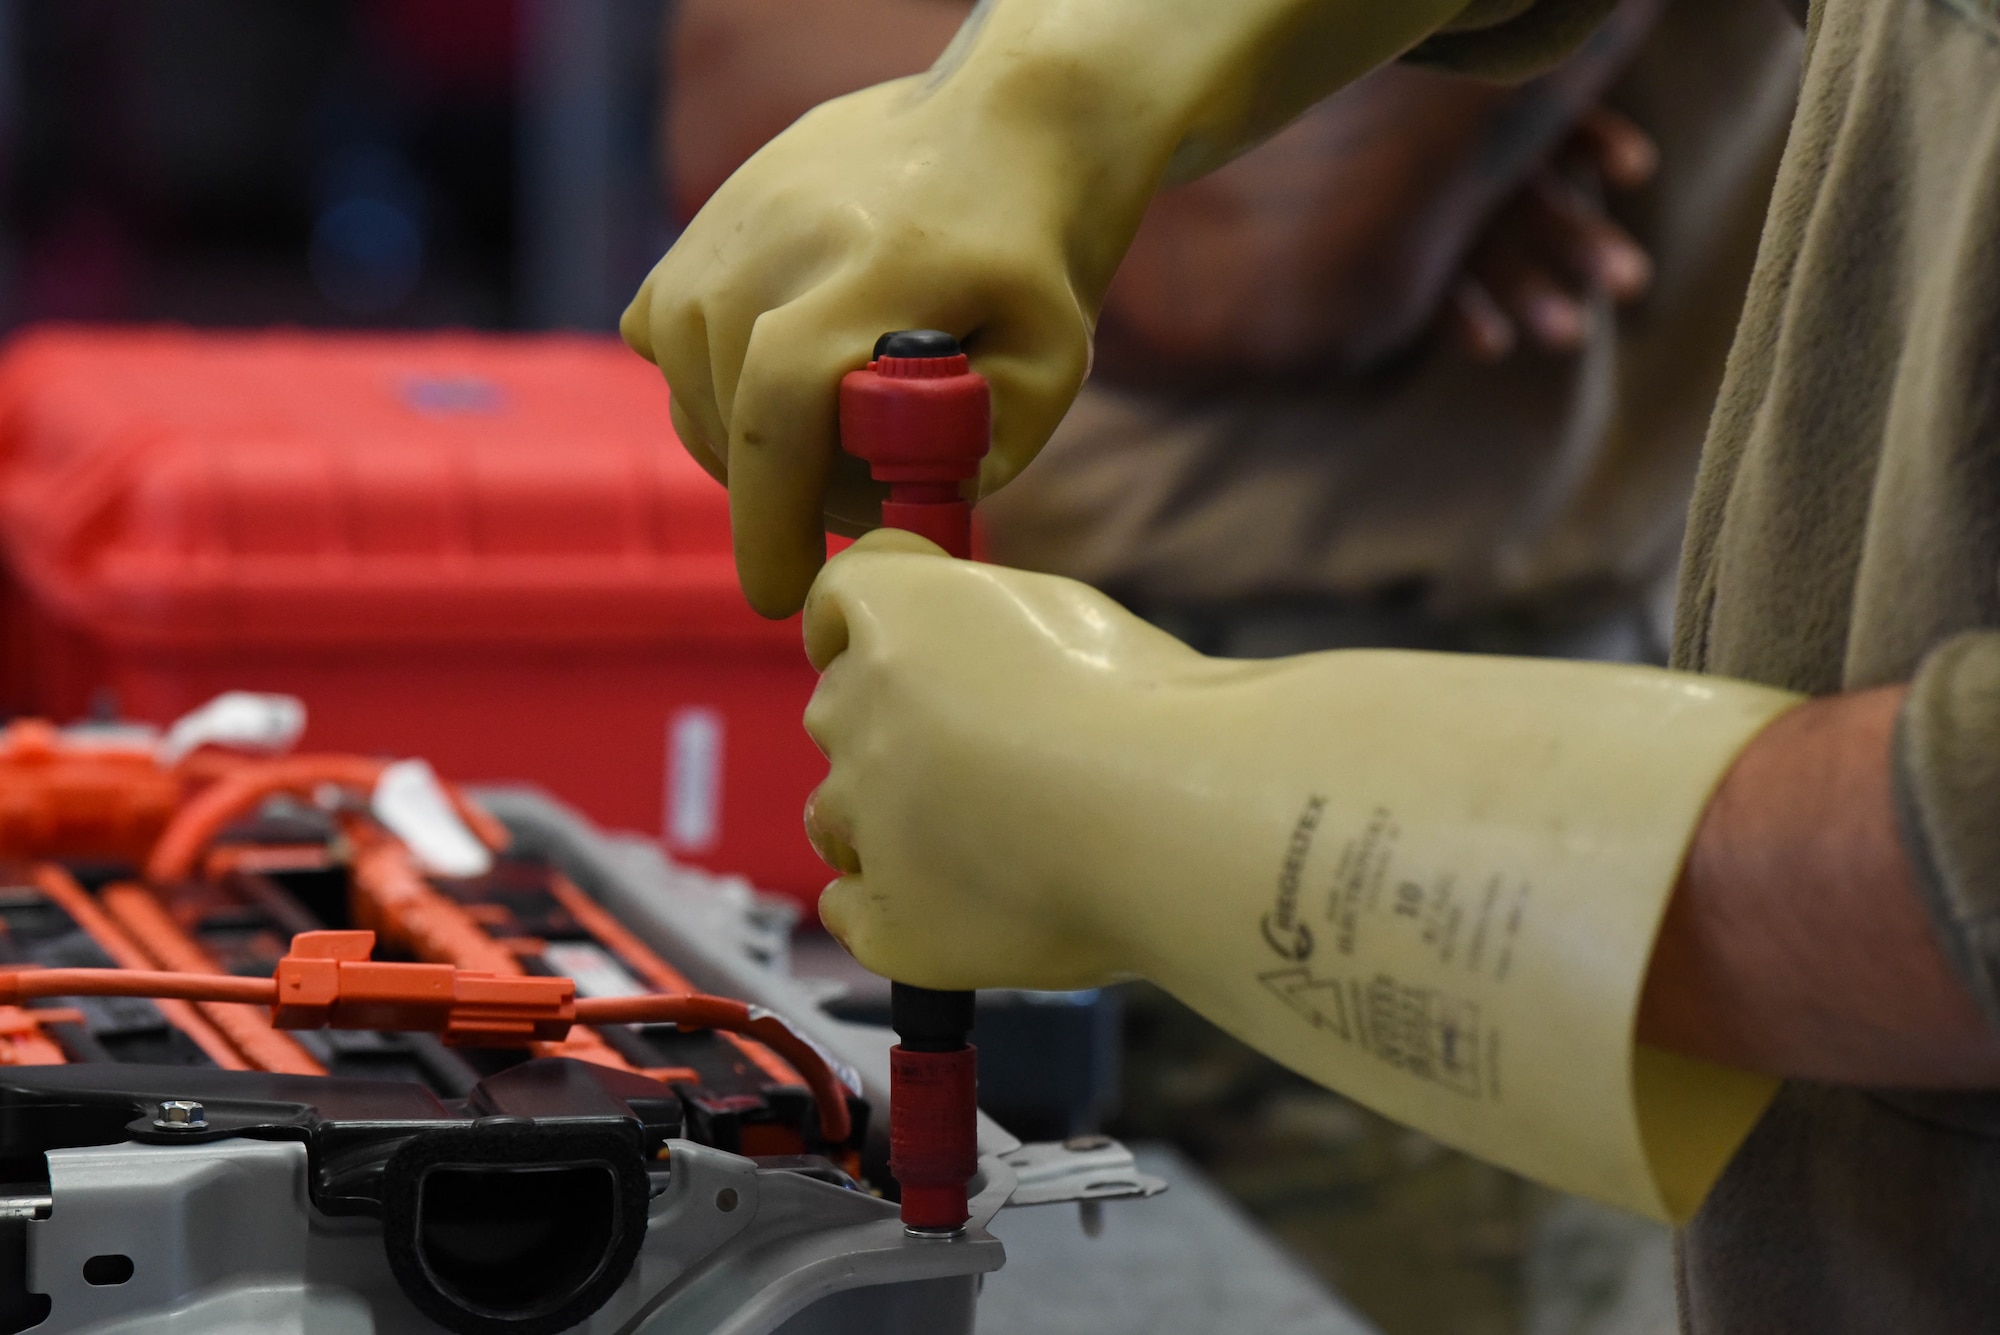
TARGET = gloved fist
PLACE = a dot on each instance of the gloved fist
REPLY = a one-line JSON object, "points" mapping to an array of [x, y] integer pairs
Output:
{"points": [[975, 718], [885, 209]]}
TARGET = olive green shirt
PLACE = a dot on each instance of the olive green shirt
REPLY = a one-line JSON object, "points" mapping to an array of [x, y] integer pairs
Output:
{"points": [[1845, 533]]}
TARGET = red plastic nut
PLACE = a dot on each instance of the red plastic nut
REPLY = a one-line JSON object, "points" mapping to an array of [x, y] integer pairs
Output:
{"points": [[328, 980], [922, 424], [916, 419], [933, 1109]]}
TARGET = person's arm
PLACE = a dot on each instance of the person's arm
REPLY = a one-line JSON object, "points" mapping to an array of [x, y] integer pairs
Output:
{"points": [[1796, 941]]}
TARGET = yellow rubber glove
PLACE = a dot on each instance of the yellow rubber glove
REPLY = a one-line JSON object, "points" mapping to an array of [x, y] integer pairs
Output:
{"points": [[1430, 881], [991, 198]]}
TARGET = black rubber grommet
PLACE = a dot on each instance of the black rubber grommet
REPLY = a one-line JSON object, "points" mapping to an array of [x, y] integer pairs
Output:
{"points": [[581, 1192], [917, 343]]}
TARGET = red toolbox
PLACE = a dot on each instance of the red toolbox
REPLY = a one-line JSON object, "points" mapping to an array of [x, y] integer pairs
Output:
{"points": [[485, 550]]}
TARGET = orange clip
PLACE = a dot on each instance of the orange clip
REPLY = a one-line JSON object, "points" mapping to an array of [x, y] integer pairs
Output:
{"points": [[328, 980]]}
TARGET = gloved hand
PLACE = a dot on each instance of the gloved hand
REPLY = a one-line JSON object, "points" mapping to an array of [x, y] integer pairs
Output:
{"points": [[991, 198], [1043, 696], [1430, 881]]}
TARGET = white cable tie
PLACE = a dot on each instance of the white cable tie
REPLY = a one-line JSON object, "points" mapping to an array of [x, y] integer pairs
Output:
{"points": [[239, 720], [410, 801]]}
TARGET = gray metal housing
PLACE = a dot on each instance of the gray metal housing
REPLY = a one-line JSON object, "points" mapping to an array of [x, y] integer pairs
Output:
{"points": [[221, 1240]]}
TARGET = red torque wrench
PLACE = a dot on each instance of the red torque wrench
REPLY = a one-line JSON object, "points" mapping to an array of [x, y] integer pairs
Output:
{"points": [[922, 421]]}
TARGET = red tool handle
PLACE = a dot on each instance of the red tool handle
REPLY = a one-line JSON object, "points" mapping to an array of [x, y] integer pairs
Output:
{"points": [[922, 420]]}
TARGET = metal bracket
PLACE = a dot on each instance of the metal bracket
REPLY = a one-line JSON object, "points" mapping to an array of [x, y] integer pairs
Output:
{"points": [[1082, 1168]]}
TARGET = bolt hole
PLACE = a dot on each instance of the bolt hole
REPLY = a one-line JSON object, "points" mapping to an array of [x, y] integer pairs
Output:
{"points": [[110, 1268], [725, 1200]]}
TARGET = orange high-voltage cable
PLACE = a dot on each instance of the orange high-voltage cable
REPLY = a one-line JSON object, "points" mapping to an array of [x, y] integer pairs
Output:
{"points": [[66, 894], [62, 800], [115, 800], [128, 801], [24, 1041], [392, 898], [662, 976], [242, 789], [390, 895]]}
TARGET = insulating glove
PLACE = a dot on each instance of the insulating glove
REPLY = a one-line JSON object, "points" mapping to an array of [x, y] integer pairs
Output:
{"points": [[1430, 881], [991, 198]]}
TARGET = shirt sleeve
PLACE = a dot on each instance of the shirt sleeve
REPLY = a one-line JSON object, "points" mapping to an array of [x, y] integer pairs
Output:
{"points": [[1512, 39], [1947, 791]]}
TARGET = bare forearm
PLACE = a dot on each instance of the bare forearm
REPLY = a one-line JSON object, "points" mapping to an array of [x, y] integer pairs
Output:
{"points": [[1796, 942]]}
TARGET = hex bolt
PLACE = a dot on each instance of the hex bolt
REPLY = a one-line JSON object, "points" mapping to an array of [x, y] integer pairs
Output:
{"points": [[181, 1115]]}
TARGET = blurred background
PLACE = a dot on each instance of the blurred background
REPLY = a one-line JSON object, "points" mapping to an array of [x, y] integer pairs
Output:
{"points": [[489, 163], [1421, 397]]}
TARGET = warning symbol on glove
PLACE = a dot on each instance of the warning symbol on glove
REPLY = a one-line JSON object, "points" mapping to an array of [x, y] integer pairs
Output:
{"points": [[1415, 1029], [1318, 1001], [1424, 1033]]}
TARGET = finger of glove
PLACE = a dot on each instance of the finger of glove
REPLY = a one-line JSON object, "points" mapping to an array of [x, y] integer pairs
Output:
{"points": [[685, 398], [826, 621], [783, 431], [895, 540], [845, 711], [679, 342], [841, 907], [691, 438], [1036, 355], [828, 828], [635, 322]]}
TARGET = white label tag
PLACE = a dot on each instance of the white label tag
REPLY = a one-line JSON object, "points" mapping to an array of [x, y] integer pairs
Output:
{"points": [[694, 779], [596, 972]]}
